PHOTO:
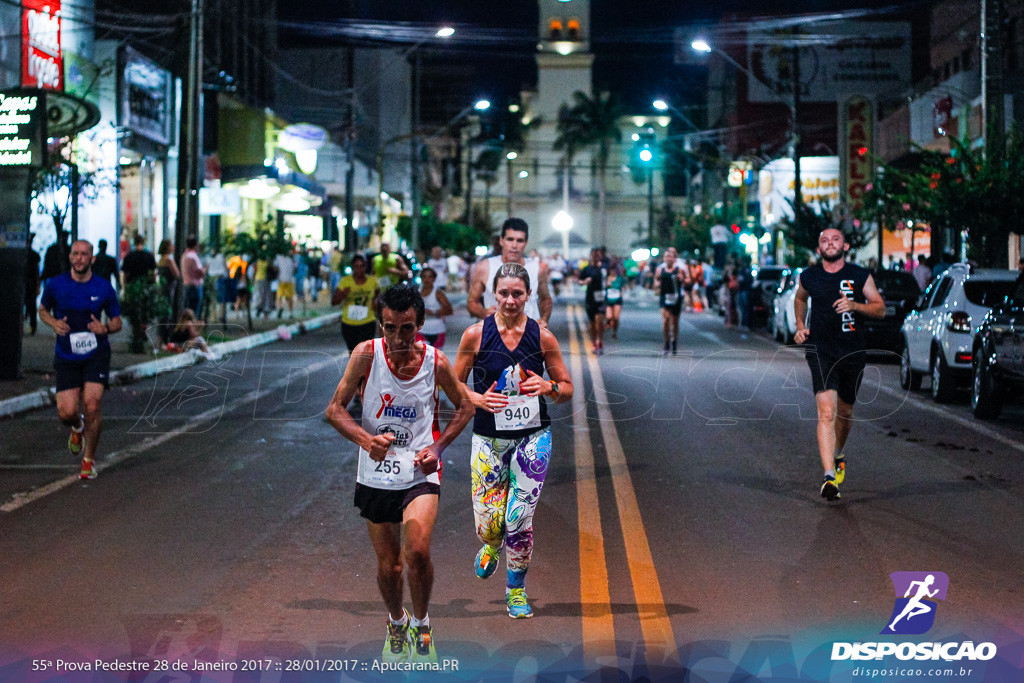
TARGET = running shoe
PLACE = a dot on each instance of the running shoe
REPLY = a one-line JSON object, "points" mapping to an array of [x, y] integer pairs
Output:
{"points": [[88, 469], [422, 642], [396, 644], [840, 469], [486, 561], [829, 489], [77, 439], [518, 607], [664, 351]]}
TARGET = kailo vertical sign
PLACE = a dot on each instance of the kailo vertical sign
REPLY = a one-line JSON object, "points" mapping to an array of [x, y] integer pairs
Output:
{"points": [[42, 65], [860, 120]]}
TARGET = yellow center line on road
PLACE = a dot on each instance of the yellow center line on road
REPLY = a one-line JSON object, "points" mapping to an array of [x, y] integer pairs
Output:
{"points": [[659, 639], [598, 621]]}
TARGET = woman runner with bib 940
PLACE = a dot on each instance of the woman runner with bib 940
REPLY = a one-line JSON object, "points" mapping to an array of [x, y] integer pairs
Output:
{"points": [[508, 353]]}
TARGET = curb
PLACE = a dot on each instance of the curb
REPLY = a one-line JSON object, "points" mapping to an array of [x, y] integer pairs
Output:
{"points": [[133, 373]]}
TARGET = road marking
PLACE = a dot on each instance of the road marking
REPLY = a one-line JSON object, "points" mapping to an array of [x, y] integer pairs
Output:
{"points": [[654, 622], [20, 500], [598, 621]]}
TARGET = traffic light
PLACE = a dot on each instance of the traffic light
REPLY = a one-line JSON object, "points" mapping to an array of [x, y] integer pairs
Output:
{"points": [[643, 155]]}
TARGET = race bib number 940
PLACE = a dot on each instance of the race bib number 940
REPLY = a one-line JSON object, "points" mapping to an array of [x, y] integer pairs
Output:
{"points": [[522, 412]]}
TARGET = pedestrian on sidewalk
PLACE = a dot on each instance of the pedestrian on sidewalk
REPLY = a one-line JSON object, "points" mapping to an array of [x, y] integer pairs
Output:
{"points": [[844, 293], [217, 270], [193, 273], [167, 277], [140, 262], [399, 473], [285, 266], [73, 304], [104, 266], [31, 284], [508, 353]]}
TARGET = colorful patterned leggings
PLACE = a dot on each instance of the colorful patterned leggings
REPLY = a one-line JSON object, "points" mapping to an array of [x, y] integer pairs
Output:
{"points": [[507, 478]]}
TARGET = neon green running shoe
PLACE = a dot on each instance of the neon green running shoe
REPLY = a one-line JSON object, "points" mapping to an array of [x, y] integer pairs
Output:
{"points": [[396, 644], [486, 561], [518, 607], [422, 640], [840, 468]]}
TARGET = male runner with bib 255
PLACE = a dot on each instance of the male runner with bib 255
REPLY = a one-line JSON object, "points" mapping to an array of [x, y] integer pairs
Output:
{"points": [[400, 446], [842, 293]]}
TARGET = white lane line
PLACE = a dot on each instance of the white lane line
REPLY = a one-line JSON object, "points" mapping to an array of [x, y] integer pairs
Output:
{"points": [[20, 500]]}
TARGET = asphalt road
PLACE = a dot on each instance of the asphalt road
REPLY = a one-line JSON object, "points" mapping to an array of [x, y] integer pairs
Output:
{"points": [[680, 524]]}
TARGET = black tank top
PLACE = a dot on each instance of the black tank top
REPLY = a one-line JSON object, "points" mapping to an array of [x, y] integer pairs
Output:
{"points": [[495, 363], [834, 334]]}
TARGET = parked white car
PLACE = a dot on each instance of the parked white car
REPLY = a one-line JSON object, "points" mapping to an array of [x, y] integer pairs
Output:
{"points": [[784, 316], [938, 334]]}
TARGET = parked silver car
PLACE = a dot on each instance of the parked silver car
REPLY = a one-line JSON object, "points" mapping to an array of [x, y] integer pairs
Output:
{"points": [[938, 334]]}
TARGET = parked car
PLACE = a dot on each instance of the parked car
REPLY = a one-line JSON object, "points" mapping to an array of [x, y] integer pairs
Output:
{"points": [[998, 355], [783, 314], [900, 292], [762, 294], [938, 336]]}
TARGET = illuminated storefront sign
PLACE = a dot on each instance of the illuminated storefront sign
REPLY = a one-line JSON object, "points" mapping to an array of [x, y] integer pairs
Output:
{"points": [[42, 64], [20, 137], [859, 139], [146, 98]]}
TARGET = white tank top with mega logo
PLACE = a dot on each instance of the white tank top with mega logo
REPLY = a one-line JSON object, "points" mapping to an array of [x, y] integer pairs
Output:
{"points": [[532, 269], [405, 409]]}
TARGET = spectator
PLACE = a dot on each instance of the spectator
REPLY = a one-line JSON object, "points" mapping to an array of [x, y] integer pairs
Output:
{"points": [[31, 285], [104, 265], [239, 281], [188, 333], [285, 266], [56, 260], [139, 262], [923, 271], [167, 277], [192, 275], [217, 269]]}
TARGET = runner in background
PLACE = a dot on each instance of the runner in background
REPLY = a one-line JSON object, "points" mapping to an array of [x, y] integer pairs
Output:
{"points": [[613, 297]]}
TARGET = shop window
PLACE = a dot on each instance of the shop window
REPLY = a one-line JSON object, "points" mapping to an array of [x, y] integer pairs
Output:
{"points": [[555, 29]]}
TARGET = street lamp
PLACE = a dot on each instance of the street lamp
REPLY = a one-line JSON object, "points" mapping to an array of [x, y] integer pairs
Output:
{"points": [[702, 45], [444, 32], [562, 222]]}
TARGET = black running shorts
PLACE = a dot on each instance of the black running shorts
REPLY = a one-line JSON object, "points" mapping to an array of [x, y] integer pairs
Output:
{"points": [[387, 505], [594, 309], [73, 374], [842, 376]]}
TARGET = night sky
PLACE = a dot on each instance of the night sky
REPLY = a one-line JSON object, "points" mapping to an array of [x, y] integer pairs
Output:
{"points": [[632, 39]]}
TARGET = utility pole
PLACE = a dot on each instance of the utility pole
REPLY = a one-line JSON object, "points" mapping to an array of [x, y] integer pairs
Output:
{"points": [[650, 205], [415, 159], [508, 202], [798, 196], [189, 172], [469, 176], [351, 236]]}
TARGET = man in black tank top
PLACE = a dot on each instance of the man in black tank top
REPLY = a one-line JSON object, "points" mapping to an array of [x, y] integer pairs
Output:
{"points": [[841, 293]]}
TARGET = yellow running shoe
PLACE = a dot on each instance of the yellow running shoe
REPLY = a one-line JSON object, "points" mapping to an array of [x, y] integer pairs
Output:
{"points": [[840, 468]]}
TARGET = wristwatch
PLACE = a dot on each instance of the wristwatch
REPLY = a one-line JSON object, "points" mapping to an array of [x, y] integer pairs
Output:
{"points": [[554, 388]]}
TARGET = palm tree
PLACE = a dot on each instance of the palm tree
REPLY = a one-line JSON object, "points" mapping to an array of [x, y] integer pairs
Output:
{"points": [[594, 121], [571, 137]]}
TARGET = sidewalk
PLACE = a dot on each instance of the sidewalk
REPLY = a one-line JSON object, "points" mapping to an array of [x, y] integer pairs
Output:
{"points": [[31, 391]]}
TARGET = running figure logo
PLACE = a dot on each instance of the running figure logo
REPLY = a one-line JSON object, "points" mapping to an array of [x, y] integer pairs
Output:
{"points": [[914, 612]]}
